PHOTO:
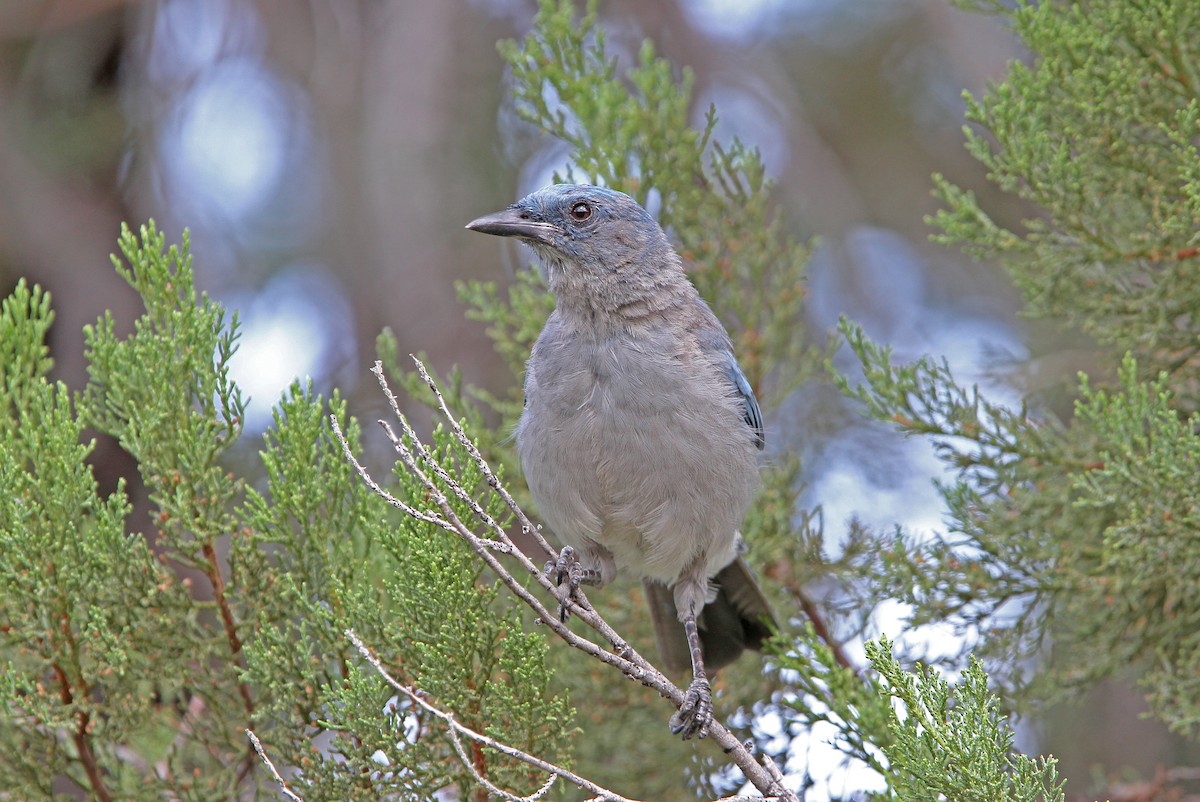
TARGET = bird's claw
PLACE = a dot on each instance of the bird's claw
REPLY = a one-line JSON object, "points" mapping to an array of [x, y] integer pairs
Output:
{"points": [[695, 714], [566, 572]]}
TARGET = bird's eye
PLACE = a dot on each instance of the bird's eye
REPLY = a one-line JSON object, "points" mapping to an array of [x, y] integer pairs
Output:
{"points": [[581, 212]]}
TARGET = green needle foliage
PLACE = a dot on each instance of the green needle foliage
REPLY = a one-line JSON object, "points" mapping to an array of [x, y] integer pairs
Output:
{"points": [[632, 132], [630, 129], [1099, 134], [951, 742], [133, 663], [83, 606], [1073, 538]]}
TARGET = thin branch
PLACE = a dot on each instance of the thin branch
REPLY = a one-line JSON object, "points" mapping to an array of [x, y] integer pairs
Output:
{"points": [[1179, 255], [282, 783], [582, 609], [636, 670], [88, 757], [212, 569], [81, 735], [459, 731], [821, 627], [212, 566], [427, 455], [451, 522], [484, 546], [420, 515], [527, 526]]}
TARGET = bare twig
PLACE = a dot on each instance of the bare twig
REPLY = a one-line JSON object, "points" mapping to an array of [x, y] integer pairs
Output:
{"points": [[426, 455], [420, 515], [283, 786], [418, 459], [458, 732], [527, 526]]}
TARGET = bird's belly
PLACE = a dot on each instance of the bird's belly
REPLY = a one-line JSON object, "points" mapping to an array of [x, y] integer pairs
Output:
{"points": [[659, 479]]}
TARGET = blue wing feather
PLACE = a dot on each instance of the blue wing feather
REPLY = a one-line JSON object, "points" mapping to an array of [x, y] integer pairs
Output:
{"points": [[713, 339], [753, 415]]}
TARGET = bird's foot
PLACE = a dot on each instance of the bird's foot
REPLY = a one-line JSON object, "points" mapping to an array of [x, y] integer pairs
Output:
{"points": [[695, 714], [567, 573]]}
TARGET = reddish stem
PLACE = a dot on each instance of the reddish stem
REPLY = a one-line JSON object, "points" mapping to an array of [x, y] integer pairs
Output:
{"points": [[83, 742], [235, 643]]}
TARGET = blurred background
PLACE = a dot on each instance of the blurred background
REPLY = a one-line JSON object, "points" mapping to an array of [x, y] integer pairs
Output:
{"points": [[325, 156]]}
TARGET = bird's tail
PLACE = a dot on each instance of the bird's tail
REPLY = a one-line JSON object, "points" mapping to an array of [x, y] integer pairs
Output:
{"points": [[739, 618]]}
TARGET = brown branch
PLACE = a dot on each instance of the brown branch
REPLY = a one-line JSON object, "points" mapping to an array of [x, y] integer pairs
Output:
{"points": [[820, 625], [80, 736], [782, 573], [420, 462], [1160, 256], [213, 571], [479, 769], [88, 757]]}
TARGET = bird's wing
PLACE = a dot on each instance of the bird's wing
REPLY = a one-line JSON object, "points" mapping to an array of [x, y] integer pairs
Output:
{"points": [[753, 414], [717, 344]]}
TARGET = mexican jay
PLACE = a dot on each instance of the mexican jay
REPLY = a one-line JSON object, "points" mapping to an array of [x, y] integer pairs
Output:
{"points": [[640, 434]]}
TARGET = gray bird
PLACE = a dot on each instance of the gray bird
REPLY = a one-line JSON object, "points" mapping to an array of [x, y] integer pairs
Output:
{"points": [[640, 433]]}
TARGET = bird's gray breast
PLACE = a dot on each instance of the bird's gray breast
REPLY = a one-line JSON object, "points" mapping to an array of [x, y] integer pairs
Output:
{"points": [[632, 441]]}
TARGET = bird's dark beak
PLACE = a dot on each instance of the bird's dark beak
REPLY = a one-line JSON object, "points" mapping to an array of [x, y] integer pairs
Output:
{"points": [[513, 223]]}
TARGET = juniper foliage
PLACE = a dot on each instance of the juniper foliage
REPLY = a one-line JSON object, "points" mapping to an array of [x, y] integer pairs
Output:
{"points": [[135, 661], [1071, 536]]}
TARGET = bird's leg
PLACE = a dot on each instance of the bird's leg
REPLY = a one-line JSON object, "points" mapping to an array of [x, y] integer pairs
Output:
{"points": [[568, 574], [695, 714]]}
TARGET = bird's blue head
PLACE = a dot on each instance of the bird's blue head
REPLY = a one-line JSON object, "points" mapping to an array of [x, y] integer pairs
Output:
{"points": [[580, 230]]}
